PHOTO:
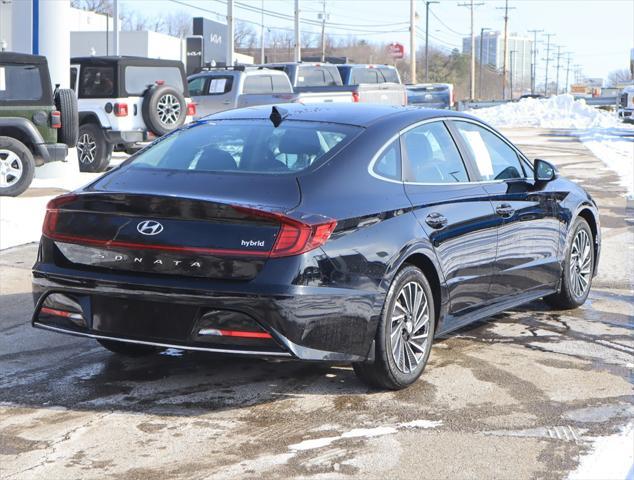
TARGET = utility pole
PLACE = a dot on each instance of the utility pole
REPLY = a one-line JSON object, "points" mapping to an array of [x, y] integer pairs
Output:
{"points": [[115, 27], [482, 30], [512, 54], [412, 40], [298, 45], [534, 64], [506, 44], [427, 3], [558, 67], [568, 71], [230, 19], [547, 35], [262, 35], [471, 5], [323, 16]]}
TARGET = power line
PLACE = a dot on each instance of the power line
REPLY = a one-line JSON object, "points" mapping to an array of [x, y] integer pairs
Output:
{"points": [[447, 26]]}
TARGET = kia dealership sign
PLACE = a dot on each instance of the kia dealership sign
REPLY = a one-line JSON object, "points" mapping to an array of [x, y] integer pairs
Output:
{"points": [[396, 50]]}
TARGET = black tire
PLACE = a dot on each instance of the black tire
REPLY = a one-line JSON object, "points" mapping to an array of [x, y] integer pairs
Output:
{"points": [[164, 109], [93, 151], [386, 371], [17, 167], [128, 349], [66, 103], [569, 296]]}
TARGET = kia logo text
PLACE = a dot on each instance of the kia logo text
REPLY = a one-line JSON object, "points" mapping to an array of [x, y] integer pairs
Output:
{"points": [[149, 227]]}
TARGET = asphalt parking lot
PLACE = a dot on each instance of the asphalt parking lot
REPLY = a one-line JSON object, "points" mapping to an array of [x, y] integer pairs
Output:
{"points": [[527, 394]]}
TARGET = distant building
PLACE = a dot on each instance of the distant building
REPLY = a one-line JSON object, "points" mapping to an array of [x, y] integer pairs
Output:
{"points": [[493, 55]]}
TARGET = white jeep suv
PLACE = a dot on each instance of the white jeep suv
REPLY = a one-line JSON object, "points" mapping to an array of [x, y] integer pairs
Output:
{"points": [[126, 100]]}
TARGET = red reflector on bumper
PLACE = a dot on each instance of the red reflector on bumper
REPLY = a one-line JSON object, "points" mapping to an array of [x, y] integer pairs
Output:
{"points": [[233, 333], [60, 313]]}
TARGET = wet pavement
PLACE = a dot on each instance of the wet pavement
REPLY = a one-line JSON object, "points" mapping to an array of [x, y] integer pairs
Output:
{"points": [[530, 393]]}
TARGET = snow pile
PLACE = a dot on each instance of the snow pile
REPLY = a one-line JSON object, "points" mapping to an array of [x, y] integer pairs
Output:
{"points": [[616, 151], [562, 111]]}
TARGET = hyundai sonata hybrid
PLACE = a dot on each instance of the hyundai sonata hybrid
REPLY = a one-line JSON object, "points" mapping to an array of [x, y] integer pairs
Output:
{"points": [[341, 233]]}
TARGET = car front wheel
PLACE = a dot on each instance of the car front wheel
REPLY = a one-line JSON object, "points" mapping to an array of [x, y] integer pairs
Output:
{"points": [[404, 335], [578, 269]]}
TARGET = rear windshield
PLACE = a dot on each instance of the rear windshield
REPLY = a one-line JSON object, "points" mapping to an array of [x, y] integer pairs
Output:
{"points": [[318, 76], [390, 75], [253, 146], [20, 82], [137, 79]]}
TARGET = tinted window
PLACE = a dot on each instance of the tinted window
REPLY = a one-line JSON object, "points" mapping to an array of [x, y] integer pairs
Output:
{"points": [[494, 158], [196, 85], [281, 84], [364, 75], [258, 84], [138, 79], [312, 76], [388, 164], [245, 146], [432, 156], [20, 82], [96, 81], [390, 75]]}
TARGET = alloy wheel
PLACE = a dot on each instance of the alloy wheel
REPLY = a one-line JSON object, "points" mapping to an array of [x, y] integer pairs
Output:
{"points": [[87, 148], [169, 109], [410, 327], [580, 263], [11, 168]]}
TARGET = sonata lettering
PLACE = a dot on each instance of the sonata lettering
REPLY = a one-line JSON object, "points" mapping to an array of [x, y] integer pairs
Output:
{"points": [[156, 261]]}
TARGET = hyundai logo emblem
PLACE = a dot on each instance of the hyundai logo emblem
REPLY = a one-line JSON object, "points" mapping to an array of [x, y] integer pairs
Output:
{"points": [[149, 227]]}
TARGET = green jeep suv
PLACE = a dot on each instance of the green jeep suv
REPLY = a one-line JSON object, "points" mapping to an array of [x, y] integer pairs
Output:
{"points": [[37, 124]]}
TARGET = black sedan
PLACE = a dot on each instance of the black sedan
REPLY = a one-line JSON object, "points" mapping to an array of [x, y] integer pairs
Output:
{"points": [[344, 233]]}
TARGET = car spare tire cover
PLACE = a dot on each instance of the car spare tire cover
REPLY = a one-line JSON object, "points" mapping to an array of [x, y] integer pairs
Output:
{"points": [[164, 109], [66, 103]]}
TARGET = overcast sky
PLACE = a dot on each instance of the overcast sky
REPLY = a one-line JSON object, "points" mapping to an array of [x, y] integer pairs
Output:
{"points": [[599, 33]]}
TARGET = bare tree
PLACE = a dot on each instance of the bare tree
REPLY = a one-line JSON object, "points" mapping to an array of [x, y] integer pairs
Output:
{"points": [[178, 24], [619, 76], [97, 6], [244, 35], [309, 40]]}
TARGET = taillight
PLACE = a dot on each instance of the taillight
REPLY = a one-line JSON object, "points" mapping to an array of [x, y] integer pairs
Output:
{"points": [[56, 119], [120, 109], [295, 237], [191, 109], [52, 213], [355, 97]]}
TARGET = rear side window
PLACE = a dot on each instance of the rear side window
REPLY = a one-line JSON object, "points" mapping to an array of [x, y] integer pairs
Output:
{"points": [[281, 84], [364, 75], [220, 85], [258, 84], [388, 165], [196, 86], [20, 82], [138, 79], [494, 158], [254, 146], [96, 82], [432, 155], [390, 75]]}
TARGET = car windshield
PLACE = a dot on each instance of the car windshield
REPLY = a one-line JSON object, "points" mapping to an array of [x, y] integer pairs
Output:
{"points": [[252, 146]]}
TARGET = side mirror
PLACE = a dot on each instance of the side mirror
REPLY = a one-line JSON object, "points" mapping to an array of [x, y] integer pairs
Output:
{"points": [[544, 171]]}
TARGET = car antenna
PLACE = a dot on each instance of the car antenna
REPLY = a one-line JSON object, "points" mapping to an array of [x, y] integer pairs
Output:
{"points": [[277, 115]]}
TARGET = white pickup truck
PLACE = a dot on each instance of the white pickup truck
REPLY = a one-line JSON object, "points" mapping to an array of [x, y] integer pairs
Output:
{"points": [[224, 88], [625, 107]]}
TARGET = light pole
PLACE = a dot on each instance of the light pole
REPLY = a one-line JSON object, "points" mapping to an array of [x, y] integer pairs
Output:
{"points": [[427, 3], [482, 30], [512, 53]]}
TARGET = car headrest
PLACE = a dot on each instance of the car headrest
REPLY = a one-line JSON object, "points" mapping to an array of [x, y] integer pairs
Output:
{"points": [[300, 141], [213, 158], [418, 148]]}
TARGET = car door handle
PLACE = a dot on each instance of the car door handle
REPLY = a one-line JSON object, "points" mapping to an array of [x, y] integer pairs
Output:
{"points": [[436, 220], [227, 102], [504, 210]]}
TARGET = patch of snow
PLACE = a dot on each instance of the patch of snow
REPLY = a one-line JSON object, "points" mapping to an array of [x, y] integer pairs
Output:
{"points": [[561, 111], [363, 433], [21, 220], [609, 457]]}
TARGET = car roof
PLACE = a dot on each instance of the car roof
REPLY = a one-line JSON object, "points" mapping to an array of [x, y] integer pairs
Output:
{"points": [[362, 115], [127, 60], [366, 65], [225, 72], [23, 58]]}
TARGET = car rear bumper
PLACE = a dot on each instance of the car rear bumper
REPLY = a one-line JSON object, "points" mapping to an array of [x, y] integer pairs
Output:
{"points": [[308, 323], [57, 152], [126, 137]]}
